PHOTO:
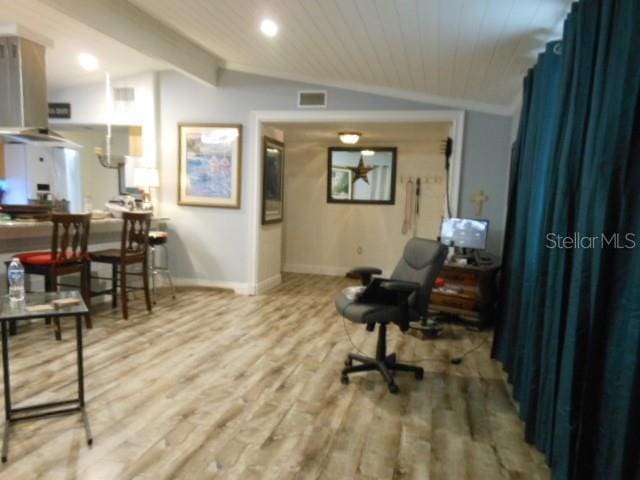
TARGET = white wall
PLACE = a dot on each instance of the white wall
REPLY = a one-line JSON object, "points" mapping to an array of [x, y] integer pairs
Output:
{"points": [[270, 245], [89, 106], [211, 246], [331, 238], [97, 181]]}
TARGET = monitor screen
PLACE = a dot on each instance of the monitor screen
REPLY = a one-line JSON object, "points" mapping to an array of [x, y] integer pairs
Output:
{"points": [[464, 233]]}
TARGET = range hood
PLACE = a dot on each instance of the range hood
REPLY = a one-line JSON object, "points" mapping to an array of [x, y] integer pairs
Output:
{"points": [[23, 94]]}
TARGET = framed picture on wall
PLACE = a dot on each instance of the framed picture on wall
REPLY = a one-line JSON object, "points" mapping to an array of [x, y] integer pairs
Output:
{"points": [[362, 175], [209, 165], [272, 181], [341, 183]]}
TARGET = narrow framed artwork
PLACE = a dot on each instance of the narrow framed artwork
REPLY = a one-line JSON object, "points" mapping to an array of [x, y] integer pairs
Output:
{"points": [[341, 183], [209, 165], [272, 181]]}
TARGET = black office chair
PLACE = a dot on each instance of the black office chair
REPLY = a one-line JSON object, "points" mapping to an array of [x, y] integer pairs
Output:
{"points": [[402, 299]]}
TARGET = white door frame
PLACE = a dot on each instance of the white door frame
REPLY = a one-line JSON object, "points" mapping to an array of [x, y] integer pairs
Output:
{"points": [[258, 117]]}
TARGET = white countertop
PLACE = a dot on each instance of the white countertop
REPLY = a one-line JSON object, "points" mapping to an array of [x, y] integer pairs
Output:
{"points": [[14, 229]]}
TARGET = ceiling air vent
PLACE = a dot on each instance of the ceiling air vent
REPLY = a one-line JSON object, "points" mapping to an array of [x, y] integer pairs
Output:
{"points": [[312, 99], [123, 99], [124, 94]]}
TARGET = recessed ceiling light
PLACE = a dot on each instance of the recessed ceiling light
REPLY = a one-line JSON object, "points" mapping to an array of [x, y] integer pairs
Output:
{"points": [[88, 62], [367, 153], [269, 27], [350, 138]]}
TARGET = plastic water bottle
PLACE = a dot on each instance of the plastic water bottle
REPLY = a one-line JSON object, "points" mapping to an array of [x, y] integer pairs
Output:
{"points": [[16, 281]]}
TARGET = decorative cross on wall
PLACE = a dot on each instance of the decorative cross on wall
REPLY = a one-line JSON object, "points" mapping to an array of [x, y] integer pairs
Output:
{"points": [[479, 198]]}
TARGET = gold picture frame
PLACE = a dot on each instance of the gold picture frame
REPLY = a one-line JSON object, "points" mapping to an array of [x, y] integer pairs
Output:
{"points": [[209, 165]]}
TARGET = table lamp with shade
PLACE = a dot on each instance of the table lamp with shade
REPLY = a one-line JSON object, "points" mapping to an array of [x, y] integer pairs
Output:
{"points": [[145, 178]]}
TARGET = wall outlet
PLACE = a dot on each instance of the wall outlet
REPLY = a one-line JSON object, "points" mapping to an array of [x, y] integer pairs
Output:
{"points": [[359, 250]]}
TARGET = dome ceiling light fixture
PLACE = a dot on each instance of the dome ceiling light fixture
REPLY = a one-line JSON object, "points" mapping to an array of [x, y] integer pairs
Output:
{"points": [[269, 27], [350, 138], [88, 62]]}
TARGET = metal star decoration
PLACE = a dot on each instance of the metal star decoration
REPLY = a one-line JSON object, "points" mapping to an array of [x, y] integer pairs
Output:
{"points": [[361, 171]]}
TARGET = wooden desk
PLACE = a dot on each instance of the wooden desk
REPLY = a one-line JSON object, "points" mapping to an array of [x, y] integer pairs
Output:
{"points": [[470, 292]]}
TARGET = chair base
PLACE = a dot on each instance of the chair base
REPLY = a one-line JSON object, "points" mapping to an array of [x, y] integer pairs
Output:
{"points": [[383, 363]]}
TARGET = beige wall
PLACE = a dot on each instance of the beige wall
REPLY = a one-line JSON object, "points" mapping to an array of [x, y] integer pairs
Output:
{"points": [[97, 181], [330, 238], [270, 243]]}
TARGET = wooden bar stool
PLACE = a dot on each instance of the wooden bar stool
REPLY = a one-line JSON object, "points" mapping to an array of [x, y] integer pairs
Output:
{"points": [[68, 255], [134, 245]]}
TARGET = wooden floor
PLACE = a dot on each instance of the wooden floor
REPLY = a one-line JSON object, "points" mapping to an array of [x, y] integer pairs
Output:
{"points": [[217, 385]]}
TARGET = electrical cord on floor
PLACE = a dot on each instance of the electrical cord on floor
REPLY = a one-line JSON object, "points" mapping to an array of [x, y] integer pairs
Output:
{"points": [[458, 360], [454, 361]]}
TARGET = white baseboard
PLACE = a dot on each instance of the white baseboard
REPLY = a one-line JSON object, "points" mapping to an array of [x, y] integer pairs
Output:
{"points": [[323, 270], [237, 287], [316, 269], [268, 284]]}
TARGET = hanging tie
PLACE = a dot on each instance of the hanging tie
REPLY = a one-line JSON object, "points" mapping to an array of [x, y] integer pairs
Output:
{"points": [[408, 207]]}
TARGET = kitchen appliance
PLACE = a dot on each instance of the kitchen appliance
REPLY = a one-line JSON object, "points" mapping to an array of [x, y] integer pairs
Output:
{"points": [[42, 174], [23, 94]]}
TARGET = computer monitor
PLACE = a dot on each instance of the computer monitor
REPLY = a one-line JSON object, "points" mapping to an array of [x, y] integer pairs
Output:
{"points": [[464, 233]]}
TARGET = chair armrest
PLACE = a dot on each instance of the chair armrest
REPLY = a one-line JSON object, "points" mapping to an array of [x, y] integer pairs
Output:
{"points": [[364, 273], [400, 286]]}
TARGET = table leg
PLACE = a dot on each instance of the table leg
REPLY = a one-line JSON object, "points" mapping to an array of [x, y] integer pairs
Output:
{"points": [[5, 441], [7, 391], [79, 360], [87, 427], [85, 418], [5, 372]]}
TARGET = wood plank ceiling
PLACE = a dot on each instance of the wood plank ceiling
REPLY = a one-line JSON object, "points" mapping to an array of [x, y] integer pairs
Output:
{"points": [[65, 38], [457, 51]]}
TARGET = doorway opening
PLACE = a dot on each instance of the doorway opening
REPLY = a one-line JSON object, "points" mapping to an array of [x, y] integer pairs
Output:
{"points": [[362, 208]]}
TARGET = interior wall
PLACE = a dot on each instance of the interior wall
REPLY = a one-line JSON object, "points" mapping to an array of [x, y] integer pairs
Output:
{"points": [[330, 238], [89, 106], [270, 243], [97, 181], [211, 245], [485, 166]]}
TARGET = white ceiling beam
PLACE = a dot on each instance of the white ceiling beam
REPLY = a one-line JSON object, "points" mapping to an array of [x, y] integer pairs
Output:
{"points": [[129, 25], [450, 102]]}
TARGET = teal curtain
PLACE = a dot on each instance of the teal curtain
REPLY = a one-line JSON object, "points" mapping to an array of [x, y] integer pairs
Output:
{"points": [[569, 328]]}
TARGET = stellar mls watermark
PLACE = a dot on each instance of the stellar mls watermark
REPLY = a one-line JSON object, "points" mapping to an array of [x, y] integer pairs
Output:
{"points": [[577, 240]]}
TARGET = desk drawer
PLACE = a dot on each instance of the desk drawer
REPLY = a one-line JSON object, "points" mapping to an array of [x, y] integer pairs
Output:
{"points": [[456, 301], [462, 277]]}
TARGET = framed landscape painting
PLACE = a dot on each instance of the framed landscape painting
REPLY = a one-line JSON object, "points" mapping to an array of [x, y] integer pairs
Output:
{"points": [[272, 181], [341, 183], [209, 166]]}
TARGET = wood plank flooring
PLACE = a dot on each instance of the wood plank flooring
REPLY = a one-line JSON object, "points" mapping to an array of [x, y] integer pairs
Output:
{"points": [[217, 385]]}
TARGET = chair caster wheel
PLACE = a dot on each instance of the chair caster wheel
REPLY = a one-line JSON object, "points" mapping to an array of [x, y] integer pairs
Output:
{"points": [[348, 362], [419, 375], [393, 388], [344, 380]]}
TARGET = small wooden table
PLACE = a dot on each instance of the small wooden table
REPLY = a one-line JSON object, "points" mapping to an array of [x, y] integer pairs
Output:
{"points": [[11, 312], [470, 293]]}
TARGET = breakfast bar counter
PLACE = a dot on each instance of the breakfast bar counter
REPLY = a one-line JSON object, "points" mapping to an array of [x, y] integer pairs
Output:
{"points": [[17, 236]]}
